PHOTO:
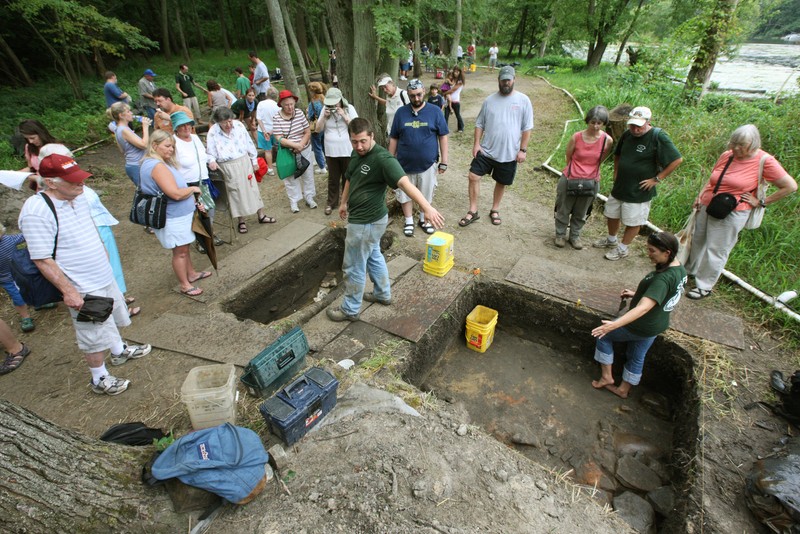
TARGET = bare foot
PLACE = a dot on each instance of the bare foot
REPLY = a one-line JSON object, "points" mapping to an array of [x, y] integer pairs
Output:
{"points": [[603, 382], [619, 392]]}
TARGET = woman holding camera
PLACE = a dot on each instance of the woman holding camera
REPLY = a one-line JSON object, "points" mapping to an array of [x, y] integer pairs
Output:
{"points": [[736, 173], [333, 122]]}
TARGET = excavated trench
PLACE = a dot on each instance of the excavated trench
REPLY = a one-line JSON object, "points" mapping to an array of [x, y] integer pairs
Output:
{"points": [[531, 389]]}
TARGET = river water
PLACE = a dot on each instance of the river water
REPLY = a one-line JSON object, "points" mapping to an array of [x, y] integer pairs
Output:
{"points": [[757, 67]]}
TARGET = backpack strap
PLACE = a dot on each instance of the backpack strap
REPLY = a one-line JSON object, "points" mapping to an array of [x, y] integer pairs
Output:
{"points": [[52, 207], [404, 97]]}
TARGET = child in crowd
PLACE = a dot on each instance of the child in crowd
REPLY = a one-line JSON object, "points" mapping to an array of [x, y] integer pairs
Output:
{"points": [[435, 98], [8, 244]]}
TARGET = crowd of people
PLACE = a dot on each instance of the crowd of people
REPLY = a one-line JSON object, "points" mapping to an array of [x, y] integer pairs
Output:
{"points": [[244, 129]]}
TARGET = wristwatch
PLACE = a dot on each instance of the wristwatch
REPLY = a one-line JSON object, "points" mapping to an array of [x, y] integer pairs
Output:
{"points": [[762, 203], [523, 149], [657, 179]]}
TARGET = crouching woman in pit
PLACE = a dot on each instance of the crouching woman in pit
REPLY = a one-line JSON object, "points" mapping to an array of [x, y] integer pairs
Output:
{"points": [[652, 302]]}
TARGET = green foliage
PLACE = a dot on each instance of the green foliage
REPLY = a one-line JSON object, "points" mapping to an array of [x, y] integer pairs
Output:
{"points": [[767, 257]]}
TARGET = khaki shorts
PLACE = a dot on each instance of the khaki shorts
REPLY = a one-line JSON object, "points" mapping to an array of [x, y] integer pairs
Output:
{"points": [[99, 337], [630, 213]]}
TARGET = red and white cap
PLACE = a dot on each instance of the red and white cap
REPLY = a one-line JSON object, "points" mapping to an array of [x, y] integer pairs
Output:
{"points": [[64, 167]]}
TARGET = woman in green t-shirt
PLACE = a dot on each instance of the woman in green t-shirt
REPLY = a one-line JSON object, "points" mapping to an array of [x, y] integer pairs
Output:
{"points": [[655, 298]]}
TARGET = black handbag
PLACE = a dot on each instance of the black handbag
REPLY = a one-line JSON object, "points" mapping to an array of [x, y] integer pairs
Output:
{"points": [[722, 204], [302, 165], [95, 309], [149, 210]]}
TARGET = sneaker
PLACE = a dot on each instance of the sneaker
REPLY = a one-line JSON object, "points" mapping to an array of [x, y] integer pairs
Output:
{"points": [[616, 254], [218, 242], [576, 243], [26, 325], [321, 171], [603, 242], [294, 208], [337, 315], [200, 248], [130, 352], [311, 204], [370, 297], [560, 242], [271, 172], [110, 385]]}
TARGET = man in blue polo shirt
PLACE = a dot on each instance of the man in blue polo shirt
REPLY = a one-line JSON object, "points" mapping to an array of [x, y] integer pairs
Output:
{"points": [[112, 92], [418, 138]]}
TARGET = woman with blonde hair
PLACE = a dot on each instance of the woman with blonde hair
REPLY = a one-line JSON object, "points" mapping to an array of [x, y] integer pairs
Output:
{"points": [[316, 91], [131, 145], [159, 174]]}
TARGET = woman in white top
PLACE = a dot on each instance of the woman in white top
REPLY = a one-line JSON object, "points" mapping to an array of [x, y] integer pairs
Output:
{"points": [[231, 147], [332, 122], [456, 79]]}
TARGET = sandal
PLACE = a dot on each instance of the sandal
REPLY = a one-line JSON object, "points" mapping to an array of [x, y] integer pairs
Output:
{"points": [[242, 227], [133, 312], [201, 276], [192, 292], [494, 215], [697, 293], [408, 229], [473, 216], [266, 219], [13, 361], [129, 300], [426, 227]]}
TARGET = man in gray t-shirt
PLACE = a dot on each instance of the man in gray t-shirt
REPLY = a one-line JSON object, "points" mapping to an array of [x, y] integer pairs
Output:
{"points": [[502, 132]]}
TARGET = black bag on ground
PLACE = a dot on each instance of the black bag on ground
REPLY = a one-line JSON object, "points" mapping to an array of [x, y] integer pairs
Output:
{"points": [[95, 309], [149, 210], [132, 434], [36, 290]]}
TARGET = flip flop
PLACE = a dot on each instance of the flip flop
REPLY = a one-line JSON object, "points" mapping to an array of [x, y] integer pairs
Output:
{"points": [[192, 292], [133, 312], [494, 215], [201, 276], [266, 219], [129, 300], [473, 216]]}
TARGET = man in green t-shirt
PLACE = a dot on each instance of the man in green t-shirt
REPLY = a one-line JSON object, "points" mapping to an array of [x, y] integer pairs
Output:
{"points": [[371, 170], [242, 83], [644, 156], [184, 84]]}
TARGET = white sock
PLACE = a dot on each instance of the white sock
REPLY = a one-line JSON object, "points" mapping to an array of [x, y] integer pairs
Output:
{"points": [[98, 373], [409, 220], [612, 239], [117, 348], [623, 247], [422, 217]]}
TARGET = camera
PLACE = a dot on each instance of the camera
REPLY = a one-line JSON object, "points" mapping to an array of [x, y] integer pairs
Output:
{"points": [[331, 108]]}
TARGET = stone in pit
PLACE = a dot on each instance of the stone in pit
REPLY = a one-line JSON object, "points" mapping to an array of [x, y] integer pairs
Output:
{"points": [[635, 511], [636, 475]]}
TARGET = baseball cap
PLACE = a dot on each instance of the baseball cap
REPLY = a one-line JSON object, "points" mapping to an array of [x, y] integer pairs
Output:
{"points": [[149, 72], [383, 81], [64, 167], [333, 96], [507, 73], [639, 116]]}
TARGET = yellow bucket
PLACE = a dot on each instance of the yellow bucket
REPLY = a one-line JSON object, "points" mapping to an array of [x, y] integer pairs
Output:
{"points": [[439, 250], [436, 270], [481, 322], [473, 67]]}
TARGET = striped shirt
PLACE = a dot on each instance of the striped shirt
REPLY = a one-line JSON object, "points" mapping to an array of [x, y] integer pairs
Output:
{"points": [[80, 253], [291, 129], [226, 147]]}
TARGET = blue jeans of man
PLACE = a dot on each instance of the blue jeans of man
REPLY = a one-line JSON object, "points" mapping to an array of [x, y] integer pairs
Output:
{"points": [[362, 256], [318, 144], [636, 351]]}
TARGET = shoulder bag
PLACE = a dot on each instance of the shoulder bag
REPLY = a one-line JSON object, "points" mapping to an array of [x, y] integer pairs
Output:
{"points": [[149, 210], [757, 213], [584, 187], [722, 204], [36, 290]]}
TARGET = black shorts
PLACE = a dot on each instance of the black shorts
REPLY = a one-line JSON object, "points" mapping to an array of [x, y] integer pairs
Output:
{"points": [[503, 173]]}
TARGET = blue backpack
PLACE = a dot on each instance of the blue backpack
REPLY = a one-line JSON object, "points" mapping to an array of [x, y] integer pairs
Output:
{"points": [[226, 460]]}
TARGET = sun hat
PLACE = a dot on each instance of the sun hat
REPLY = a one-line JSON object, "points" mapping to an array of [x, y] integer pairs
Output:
{"points": [[639, 116], [64, 167], [286, 94], [333, 96], [507, 73], [149, 72], [179, 118]]}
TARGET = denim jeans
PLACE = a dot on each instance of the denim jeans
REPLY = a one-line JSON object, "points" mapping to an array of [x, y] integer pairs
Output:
{"points": [[636, 351], [362, 256], [318, 144], [132, 171]]}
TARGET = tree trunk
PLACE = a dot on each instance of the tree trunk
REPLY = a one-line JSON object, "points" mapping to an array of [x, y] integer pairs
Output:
{"points": [[165, 45], [200, 40], [601, 26], [18, 66], [322, 66], [326, 33], [99, 63], [181, 35], [299, 27], [56, 480], [417, 48], [282, 46], [457, 31], [287, 20], [249, 31], [706, 58], [223, 26], [629, 31], [546, 38], [596, 51]]}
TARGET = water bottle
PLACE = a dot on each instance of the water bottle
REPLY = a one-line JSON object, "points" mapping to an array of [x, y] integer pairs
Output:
{"points": [[138, 118]]}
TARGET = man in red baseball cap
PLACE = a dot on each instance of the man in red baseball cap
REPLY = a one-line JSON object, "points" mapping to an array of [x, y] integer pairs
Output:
{"points": [[64, 245]]}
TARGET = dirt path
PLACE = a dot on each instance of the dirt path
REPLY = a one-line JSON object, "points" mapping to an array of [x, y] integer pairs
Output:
{"points": [[53, 380]]}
